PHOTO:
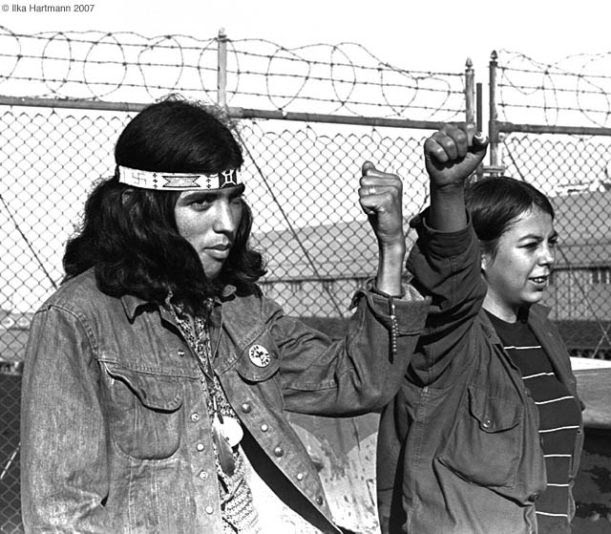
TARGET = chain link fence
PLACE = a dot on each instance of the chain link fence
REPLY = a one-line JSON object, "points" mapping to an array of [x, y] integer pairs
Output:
{"points": [[302, 180], [550, 126]]}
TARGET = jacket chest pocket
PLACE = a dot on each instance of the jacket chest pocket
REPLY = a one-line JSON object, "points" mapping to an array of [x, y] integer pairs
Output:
{"points": [[144, 412], [486, 443]]}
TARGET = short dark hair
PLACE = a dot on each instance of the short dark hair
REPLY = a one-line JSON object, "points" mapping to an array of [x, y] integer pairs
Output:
{"points": [[129, 235], [494, 203]]}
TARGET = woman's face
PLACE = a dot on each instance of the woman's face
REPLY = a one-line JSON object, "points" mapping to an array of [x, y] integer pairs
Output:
{"points": [[209, 221], [519, 272]]}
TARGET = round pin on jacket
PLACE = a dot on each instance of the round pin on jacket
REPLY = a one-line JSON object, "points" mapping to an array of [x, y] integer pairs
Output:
{"points": [[259, 355]]}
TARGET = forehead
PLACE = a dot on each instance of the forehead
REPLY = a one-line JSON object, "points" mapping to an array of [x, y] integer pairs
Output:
{"points": [[534, 222]]}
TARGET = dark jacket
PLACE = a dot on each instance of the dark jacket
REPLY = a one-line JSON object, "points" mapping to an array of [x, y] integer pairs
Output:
{"points": [[459, 449], [115, 429]]}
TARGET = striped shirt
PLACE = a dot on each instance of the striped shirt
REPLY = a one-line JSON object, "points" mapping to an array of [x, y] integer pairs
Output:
{"points": [[558, 420]]}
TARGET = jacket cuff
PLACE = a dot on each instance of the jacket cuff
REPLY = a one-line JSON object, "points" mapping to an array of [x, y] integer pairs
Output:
{"points": [[408, 312]]}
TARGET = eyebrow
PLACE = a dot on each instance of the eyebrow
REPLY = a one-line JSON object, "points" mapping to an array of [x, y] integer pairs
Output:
{"points": [[197, 195], [210, 195], [553, 235]]}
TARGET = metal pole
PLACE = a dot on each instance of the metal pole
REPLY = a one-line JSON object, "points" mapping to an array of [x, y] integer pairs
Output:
{"points": [[479, 121], [492, 129], [469, 92], [221, 73]]}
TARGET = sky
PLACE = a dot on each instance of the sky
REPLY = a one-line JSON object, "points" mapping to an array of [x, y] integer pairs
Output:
{"points": [[424, 34]]}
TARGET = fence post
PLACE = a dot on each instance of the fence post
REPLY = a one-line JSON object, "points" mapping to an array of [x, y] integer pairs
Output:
{"points": [[221, 69], [479, 121], [492, 114], [469, 92]]}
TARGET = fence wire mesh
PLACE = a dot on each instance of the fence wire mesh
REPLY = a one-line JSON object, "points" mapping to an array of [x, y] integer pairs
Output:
{"points": [[301, 177], [573, 173]]}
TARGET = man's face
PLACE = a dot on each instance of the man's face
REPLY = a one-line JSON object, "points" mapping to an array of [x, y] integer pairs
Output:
{"points": [[209, 222]]}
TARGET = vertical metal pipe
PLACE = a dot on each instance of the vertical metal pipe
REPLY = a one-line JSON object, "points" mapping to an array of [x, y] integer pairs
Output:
{"points": [[479, 121], [469, 92], [221, 69], [493, 117]]}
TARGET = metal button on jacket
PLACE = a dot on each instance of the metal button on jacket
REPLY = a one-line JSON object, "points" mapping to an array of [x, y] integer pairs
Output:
{"points": [[209, 509], [300, 476], [264, 427], [319, 500], [195, 417], [279, 451], [246, 407]]}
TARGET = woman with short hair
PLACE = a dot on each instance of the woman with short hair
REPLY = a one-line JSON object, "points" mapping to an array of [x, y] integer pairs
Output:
{"points": [[486, 432]]}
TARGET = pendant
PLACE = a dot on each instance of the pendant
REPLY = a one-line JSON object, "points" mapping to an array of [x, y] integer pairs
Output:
{"points": [[223, 450], [231, 430]]}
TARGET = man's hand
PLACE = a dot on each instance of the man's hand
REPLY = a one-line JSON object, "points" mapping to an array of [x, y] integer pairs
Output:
{"points": [[380, 196], [452, 154]]}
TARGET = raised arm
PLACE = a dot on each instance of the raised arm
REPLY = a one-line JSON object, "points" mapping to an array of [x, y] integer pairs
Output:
{"points": [[445, 260], [380, 196], [451, 155]]}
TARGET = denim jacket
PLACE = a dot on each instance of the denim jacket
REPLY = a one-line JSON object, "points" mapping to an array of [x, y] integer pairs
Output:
{"points": [[115, 429], [458, 448]]}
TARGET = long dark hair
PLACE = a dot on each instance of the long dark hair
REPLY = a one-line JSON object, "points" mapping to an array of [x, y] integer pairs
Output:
{"points": [[129, 235], [494, 203]]}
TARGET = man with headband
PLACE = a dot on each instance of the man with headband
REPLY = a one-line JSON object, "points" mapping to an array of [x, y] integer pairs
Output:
{"points": [[157, 377]]}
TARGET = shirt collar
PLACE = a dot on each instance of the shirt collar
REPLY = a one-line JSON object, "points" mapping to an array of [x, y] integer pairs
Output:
{"points": [[132, 303]]}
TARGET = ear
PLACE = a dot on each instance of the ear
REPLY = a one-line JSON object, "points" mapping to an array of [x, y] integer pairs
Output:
{"points": [[125, 195], [485, 261]]}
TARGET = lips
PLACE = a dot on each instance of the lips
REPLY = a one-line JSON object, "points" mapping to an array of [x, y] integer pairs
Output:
{"points": [[540, 280], [219, 251], [220, 246]]}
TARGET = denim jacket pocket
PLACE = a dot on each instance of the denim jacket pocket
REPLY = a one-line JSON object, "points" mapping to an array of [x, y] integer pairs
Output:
{"points": [[144, 412], [486, 442]]}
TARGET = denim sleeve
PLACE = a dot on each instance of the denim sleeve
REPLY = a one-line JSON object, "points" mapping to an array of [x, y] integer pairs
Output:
{"points": [[446, 268], [353, 375], [64, 471]]}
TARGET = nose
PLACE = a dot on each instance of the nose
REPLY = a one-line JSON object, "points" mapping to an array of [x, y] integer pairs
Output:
{"points": [[547, 255], [226, 218]]}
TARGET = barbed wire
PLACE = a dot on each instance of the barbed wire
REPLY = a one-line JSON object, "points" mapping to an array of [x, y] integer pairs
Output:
{"points": [[572, 91], [317, 78]]}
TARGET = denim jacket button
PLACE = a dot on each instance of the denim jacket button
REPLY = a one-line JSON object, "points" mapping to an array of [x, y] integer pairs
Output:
{"points": [[209, 509], [181, 353], [203, 475], [319, 500], [195, 417], [300, 476], [487, 423], [246, 407], [200, 447], [279, 451], [264, 427]]}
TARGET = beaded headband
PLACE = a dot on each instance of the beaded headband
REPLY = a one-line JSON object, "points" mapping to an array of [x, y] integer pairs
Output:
{"points": [[170, 181]]}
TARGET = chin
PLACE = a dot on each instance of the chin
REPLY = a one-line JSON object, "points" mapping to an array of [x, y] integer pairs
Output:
{"points": [[533, 299]]}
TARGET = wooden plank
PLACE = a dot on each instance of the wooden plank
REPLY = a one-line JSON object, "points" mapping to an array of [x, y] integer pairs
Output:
{"points": [[594, 388]]}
